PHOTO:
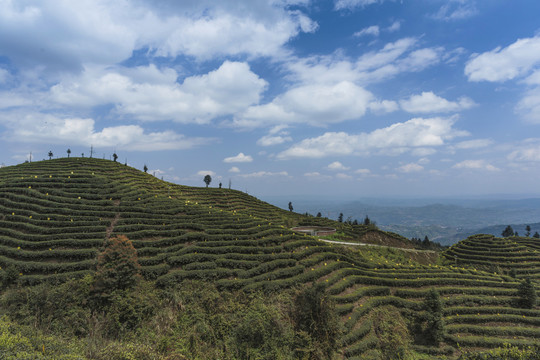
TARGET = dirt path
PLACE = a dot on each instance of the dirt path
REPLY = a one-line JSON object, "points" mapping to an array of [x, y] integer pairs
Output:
{"points": [[365, 244], [110, 228]]}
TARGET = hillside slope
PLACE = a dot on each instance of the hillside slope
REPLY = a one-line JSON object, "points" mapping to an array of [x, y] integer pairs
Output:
{"points": [[56, 214]]}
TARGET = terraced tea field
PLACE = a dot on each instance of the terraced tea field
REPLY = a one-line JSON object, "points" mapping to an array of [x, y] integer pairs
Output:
{"points": [[56, 214]]}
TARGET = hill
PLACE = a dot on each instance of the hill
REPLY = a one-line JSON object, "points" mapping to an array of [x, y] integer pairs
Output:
{"points": [[56, 215]]}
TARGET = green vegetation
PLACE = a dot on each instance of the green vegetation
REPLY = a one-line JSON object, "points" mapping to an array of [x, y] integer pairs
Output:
{"points": [[102, 261]]}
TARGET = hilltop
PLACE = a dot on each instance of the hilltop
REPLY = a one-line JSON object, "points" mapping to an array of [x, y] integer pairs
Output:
{"points": [[216, 261]]}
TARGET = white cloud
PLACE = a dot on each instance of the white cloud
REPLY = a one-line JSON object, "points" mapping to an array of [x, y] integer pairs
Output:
{"points": [[206, 172], [312, 104], [393, 140], [394, 58], [240, 158], [149, 94], [4, 75], [384, 106], [234, 169], [396, 25], [423, 151], [336, 166], [529, 106], [275, 136], [412, 167], [428, 102], [363, 172], [474, 144], [456, 10], [501, 64], [529, 150], [343, 176], [72, 33], [352, 4], [372, 30], [260, 174], [52, 129], [476, 165], [534, 78]]}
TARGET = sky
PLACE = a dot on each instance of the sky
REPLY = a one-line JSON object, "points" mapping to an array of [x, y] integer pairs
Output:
{"points": [[354, 98]]}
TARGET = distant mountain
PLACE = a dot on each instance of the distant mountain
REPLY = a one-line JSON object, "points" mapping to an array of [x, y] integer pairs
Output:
{"points": [[444, 220]]}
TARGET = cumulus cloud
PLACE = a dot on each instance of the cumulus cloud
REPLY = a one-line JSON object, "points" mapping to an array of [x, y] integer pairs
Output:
{"points": [[428, 102], [474, 144], [396, 25], [476, 165], [412, 167], [392, 59], [240, 158], [371, 30], [206, 172], [393, 140], [315, 104], [52, 129], [277, 135], [456, 10], [260, 174], [501, 64], [234, 169], [529, 106], [149, 94], [336, 166], [105, 32], [363, 172], [352, 4], [528, 151]]}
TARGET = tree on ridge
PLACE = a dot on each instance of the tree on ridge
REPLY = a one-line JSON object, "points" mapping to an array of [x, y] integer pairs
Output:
{"points": [[207, 180]]}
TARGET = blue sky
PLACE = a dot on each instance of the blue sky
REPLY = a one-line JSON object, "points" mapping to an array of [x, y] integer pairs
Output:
{"points": [[356, 98]]}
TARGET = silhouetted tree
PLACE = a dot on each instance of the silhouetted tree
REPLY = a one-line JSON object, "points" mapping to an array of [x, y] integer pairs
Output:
{"points": [[367, 221], [69, 152], [319, 214], [340, 217], [50, 155], [536, 235], [115, 157], [220, 184], [508, 232], [528, 233], [207, 180], [145, 168], [290, 206]]}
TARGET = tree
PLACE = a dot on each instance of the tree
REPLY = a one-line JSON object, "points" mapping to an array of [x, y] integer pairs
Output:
{"points": [[117, 266], [115, 157], [290, 206], [528, 233], [207, 180], [536, 235], [69, 152], [340, 217], [145, 168], [426, 242], [314, 315], [508, 232], [319, 214], [434, 330], [367, 221], [220, 184], [526, 294], [50, 155]]}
